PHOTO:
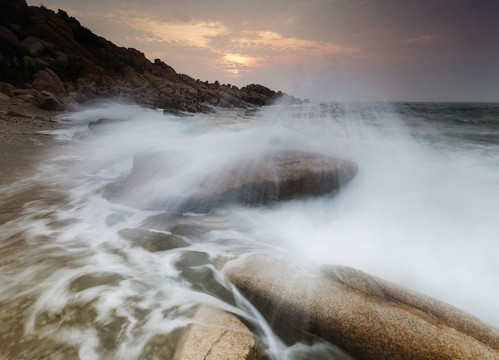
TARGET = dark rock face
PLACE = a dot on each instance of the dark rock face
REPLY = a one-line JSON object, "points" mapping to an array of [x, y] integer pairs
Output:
{"points": [[282, 176], [51, 51], [366, 316]]}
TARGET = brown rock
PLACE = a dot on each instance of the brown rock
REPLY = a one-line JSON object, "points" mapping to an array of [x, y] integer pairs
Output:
{"points": [[4, 98], [217, 335], [369, 327], [27, 98], [48, 80], [48, 101], [34, 64], [17, 114], [33, 45], [282, 176], [9, 36], [7, 89], [31, 92], [446, 314]]}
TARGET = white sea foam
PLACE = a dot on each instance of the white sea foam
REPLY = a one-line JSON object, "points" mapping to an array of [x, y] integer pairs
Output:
{"points": [[416, 215]]}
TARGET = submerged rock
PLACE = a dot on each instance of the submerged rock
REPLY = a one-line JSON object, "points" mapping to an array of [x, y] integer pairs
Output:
{"points": [[153, 241], [282, 176], [217, 335], [366, 316]]}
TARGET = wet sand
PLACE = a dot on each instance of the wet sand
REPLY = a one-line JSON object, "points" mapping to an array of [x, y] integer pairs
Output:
{"points": [[21, 143], [23, 146]]}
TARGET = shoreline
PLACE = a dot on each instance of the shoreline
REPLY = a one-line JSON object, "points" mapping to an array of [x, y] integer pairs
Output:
{"points": [[21, 139]]}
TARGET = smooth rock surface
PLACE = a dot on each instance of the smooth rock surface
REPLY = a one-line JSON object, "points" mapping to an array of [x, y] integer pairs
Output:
{"points": [[281, 176], [356, 318], [217, 335]]}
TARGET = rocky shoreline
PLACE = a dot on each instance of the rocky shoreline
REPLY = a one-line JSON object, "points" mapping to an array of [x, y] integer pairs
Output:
{"points": [[50, 64], [22, 137], [50, 59]]}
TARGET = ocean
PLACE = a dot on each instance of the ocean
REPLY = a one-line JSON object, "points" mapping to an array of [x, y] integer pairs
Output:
{"points": [[76, 275]]}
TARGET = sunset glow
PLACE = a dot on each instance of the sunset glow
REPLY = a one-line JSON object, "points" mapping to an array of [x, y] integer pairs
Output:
{"points": [[440, 50], [194, 33]]}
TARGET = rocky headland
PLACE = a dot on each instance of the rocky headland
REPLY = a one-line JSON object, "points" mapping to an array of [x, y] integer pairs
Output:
{"points": [[51, 60]]}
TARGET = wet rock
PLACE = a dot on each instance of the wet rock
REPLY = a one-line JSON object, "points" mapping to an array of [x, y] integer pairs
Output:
{"points": [[370, 319], [217, 335], [446, 314], [152, 240], [282, 176], [194, 258], [92, 280]]}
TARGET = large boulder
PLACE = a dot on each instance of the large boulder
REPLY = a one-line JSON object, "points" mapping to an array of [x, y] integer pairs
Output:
{"points": [[33, 45], [217, 335], [368, 317], [48, 80], [281, 176], [7, 89], [46, 100]]}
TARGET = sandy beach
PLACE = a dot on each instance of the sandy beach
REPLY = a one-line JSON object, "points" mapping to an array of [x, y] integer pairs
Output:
{"points": [[21, 137]]}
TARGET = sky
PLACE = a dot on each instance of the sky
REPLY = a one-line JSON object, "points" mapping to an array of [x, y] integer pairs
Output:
{"points": [[353, 50]]}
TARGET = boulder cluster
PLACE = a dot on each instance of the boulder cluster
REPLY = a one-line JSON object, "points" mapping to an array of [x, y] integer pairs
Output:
{"points": [[50, 59]]}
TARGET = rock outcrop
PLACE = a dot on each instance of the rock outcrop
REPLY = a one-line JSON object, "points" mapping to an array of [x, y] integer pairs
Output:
{"points": [[364, 315], [49, 51], [217, 335], [281, 176]]}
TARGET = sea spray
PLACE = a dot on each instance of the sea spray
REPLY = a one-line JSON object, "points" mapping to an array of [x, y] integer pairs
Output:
{"points": [[420, 212]]}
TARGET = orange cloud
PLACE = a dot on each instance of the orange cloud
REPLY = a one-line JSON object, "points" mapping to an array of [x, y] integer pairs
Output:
{"points": [[267, 48], [227, 51], [277, 43], [193, 33], [236, 64]]}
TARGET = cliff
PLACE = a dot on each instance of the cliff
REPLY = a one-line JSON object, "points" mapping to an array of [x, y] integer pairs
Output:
{"points": [[53, 53]]}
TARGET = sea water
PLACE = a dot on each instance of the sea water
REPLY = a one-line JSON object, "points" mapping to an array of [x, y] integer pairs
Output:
{"points": [[423, 212]]}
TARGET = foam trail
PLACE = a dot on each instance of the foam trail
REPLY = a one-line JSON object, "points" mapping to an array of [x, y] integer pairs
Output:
{"points": [[86, 259]]}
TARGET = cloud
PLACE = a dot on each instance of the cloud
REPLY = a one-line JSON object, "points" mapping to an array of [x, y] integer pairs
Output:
{"points": [[233, 52], [280, 44], [421, 39], [195, 33], [236, 64]]}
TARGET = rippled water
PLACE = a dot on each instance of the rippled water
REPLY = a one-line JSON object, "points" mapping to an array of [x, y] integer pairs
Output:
{"points": [[88, 274]]}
